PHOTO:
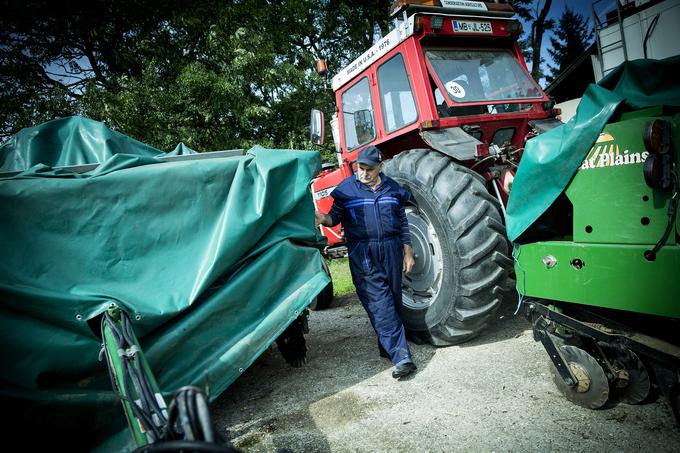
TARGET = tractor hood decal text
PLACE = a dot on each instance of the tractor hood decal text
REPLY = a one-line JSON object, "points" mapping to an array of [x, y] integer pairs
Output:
{"points": [[463, 4], [389, 42], [606, 153], [323, 193]]}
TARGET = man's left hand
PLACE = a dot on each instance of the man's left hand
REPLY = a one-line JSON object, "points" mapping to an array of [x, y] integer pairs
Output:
{"points": [[409, 259]]}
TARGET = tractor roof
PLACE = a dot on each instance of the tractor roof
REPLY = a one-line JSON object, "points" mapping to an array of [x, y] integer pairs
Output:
{"points": [[486, 9], [405, 28], [387, 43]]}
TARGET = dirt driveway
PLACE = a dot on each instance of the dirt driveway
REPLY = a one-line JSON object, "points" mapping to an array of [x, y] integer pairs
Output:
{"points": [[492, 394]]}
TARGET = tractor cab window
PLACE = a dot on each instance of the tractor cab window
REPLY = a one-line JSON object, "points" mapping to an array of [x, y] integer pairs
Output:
{"points": [[396, 97], [479, 76], [357, 115], [444, 110]]}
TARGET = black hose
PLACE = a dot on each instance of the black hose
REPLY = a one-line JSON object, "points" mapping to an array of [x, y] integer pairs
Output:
{"points": [[650, 255], [194, 416], [114, 386], [188, 432], [146, 391], [139, 412], [204, 417], [114, 330], [127, 332], [171, 433], [650, 29], [149, 393], [186, 446], [492, 156], [186, 411], [140, 382], [130, 372]]}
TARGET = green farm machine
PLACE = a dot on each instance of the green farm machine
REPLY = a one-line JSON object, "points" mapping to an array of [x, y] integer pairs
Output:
{"points": [[599, 271]]}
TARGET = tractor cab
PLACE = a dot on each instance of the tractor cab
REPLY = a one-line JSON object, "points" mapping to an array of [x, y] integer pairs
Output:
{"points": [[450, 77]]}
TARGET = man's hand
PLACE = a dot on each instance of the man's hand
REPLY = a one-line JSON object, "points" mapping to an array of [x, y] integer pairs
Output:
{"points": [[409, 259], [322, 219]]}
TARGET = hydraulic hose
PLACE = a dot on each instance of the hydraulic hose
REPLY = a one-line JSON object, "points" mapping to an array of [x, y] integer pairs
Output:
{"points": [[650, 255]]}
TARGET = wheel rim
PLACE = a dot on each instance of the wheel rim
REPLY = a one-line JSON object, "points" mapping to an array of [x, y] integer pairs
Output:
{"points": [[592, 387], [581, 375], [423, 283], [635, 385]]}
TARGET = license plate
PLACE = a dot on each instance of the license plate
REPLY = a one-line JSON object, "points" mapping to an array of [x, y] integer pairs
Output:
{"points": [[466, 26]]}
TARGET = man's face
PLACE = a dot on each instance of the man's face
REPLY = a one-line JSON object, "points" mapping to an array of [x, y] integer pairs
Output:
{"points": [[369, 175]]}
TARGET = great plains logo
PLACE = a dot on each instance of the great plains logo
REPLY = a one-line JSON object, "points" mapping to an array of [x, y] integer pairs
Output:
{"points": [[606, 153]]}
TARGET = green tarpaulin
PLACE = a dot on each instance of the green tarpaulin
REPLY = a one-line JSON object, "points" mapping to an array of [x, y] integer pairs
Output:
{"points": [[551, 159], [212, 259]]}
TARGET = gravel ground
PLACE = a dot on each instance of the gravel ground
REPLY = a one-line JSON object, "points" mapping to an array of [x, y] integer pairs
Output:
{"points": [[494, 393]]}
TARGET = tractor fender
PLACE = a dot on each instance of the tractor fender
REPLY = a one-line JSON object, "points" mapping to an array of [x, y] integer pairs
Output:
{"points": [[453, 142]]}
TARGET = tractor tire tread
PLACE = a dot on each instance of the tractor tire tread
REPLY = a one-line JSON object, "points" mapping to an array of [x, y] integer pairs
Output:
{"points": [[476, 237]]}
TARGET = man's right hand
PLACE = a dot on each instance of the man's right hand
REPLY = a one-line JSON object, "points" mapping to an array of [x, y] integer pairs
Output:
{"points": [[409, 259], [322, 219]]}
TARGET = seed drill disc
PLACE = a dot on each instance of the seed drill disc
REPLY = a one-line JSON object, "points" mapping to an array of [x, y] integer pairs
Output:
{"points": [[592, 390], [638, 386]]}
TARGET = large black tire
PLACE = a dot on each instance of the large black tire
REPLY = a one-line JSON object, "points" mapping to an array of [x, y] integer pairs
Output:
{"points": [[325, 297], [460, 275]]}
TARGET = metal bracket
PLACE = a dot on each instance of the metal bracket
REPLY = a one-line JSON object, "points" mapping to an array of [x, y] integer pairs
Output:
{"points": [[541, 334], [655, 349]]}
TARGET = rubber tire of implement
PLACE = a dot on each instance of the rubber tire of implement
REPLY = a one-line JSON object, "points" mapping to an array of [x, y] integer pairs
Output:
{"points": [[325, 297], [472, 242]]}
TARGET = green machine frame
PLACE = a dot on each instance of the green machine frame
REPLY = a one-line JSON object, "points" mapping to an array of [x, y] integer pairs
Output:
{"points": [[132, 378], [602, 284], [617, 217]]}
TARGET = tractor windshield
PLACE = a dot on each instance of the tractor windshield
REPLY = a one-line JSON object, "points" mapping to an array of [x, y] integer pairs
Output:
{"points": [[480, 76]]}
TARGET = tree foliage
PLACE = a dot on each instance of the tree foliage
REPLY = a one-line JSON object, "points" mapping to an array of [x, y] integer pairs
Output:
{"points": [[572, 38], [536, 13], [213, 74], [52, 54], [523, 11]]}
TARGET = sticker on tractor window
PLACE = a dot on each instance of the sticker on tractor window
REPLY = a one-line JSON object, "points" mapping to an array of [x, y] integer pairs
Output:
{"points": [[455, 89], [468, 26], [606, 153]]}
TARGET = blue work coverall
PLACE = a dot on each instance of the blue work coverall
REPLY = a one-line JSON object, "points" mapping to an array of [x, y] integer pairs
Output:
{"points": [[376, 230]]}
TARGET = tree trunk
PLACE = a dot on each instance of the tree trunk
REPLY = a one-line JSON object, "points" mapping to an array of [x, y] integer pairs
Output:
{"points": [[537, 30]]}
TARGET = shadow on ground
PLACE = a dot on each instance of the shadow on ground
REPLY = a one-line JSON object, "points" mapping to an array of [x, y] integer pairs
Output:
{"points": [[497, 396], [505, 324], [273, 406]]}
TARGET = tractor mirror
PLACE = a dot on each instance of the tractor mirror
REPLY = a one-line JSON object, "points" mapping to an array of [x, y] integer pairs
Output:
{"points": [[316, 131]]}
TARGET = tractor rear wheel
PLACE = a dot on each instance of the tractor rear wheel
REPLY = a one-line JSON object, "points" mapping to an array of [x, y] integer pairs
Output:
{"points": [[458, 237]]}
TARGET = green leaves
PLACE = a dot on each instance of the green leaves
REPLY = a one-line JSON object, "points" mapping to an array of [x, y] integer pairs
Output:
{"points": [[214, 75], [573, 36]]}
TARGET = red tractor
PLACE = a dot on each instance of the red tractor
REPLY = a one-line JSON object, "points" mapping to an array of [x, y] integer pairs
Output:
{"points": [[447, 98]]}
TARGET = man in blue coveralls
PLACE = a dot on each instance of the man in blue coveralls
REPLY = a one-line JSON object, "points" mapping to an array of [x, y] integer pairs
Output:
{"points": [[370, 206]]}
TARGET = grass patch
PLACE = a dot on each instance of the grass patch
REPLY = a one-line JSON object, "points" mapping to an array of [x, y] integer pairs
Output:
{"points": [[342, 279]]}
